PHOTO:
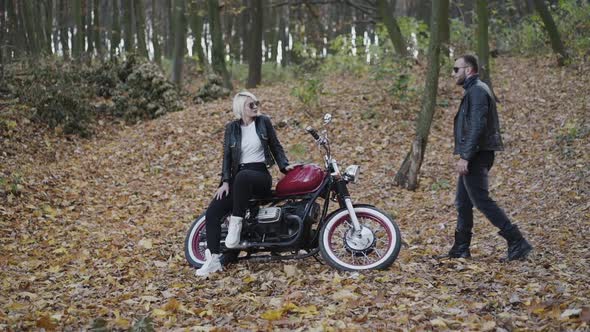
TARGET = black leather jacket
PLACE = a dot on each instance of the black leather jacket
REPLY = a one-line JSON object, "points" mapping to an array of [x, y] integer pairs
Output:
{"points": [[477, 127], [232, 147]]}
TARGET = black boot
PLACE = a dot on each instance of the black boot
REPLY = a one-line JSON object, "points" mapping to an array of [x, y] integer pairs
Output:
{"points": [[460, 248], [518, 247]]}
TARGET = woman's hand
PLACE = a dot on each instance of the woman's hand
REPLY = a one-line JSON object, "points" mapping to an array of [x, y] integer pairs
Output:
{"points": [[292, 166], [223, 190]]}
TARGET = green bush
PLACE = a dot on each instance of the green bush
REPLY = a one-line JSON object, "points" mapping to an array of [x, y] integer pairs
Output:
{"points": [[105, 79], [144, 92], [308, 92], [58, 93], [212, 90]]}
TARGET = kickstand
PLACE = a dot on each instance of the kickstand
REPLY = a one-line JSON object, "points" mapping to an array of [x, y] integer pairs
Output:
{"points": [[317, 259]]}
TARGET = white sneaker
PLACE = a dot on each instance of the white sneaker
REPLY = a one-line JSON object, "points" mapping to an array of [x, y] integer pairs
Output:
{"points": [[233, 232], [212, 264]]}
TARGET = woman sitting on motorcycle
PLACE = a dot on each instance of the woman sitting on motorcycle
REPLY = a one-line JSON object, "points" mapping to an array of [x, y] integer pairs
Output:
{"points": [[250, 147]]}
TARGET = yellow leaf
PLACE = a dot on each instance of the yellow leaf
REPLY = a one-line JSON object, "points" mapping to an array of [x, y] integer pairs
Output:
{"points": [[344, 295], [488, 326], [205, 313], [16, 306], [271, 315], [122, 323], [289, 307], [54, 269], [61, 250], [438, 323], [146, 243], [248, 279], [173, 305], [49, 211], [46, 323], [307, 310], [160, 313]]}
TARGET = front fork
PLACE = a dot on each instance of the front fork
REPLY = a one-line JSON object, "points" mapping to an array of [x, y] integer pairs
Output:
{"points": [[345, 201]]}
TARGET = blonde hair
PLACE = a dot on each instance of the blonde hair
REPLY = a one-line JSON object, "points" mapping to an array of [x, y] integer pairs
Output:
{"points": [[239, 101]]}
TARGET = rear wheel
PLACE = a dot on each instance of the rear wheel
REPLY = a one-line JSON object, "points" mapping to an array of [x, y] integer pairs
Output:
{"points": [[375, 246], [195, 244]]}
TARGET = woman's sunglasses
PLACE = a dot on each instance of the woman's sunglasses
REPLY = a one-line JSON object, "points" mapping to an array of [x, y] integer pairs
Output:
{"points": [[253, 104]]}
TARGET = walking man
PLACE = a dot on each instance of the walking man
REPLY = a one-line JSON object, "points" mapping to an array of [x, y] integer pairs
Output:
{"points": [[477, 137]]}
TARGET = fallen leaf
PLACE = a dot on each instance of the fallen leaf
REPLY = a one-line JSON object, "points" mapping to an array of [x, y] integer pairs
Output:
{"points": [[145, 243], [45, 323]]}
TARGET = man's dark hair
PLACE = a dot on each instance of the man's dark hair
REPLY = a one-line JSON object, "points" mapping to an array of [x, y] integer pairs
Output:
{"points": [[471, 61]]}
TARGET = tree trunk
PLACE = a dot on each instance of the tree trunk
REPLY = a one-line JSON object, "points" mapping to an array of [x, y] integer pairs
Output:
{"points": [[78, 42], [63, 28], [255, 58], [3, 39], [169, 40], [140, 28], [37, 16], [386, 14], [197, 32], [155, 35], [273, 35], [27, 18], [48, 5], [483, 49], [227, 23], [551, 28], [245, 27], [282, 36], [115, 30], [217, 51], [96, 30], [445, 32], [179, 42], [128, 26], [14, 40], [407, 176], [90, 27]]}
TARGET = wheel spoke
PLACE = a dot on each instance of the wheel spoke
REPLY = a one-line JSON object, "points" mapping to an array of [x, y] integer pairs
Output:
{"points": [[366, 258], [378, 253]]}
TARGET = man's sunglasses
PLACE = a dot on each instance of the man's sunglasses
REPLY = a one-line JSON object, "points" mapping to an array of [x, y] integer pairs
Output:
{"points": [[456, 69], [253, 103]]}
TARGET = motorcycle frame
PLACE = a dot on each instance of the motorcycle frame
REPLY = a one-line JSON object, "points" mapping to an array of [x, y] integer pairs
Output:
{"points": [[331, 188]]}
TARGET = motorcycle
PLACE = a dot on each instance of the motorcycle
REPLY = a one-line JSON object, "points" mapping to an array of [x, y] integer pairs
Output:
{"points": [[291, 223]]}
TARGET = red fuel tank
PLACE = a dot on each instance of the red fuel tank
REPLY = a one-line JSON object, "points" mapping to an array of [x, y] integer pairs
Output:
{"points": [[301, 180]]}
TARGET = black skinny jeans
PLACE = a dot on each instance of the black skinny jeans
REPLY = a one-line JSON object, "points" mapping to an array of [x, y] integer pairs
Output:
{"points": [[252, 180], [472, 190]]}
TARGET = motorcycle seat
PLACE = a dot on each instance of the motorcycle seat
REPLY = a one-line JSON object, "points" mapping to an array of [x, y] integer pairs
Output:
{"points": [[263, 199]]}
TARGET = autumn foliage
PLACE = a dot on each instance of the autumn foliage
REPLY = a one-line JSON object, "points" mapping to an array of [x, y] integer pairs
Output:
{"points": [[92, 230]]}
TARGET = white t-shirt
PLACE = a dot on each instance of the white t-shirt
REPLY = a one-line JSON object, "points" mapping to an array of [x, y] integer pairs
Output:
{"points": [[252, 151]]}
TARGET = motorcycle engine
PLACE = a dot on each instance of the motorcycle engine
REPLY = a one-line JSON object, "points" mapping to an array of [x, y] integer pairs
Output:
{"points": [[273, 224]]}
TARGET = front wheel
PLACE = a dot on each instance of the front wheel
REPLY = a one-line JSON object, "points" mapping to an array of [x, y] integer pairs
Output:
{"points": [[195, 244], [375, 246]]}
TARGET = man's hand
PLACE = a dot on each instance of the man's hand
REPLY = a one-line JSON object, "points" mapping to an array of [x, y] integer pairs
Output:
{"points": [[462, 167], [223, 190], [291, 166]]}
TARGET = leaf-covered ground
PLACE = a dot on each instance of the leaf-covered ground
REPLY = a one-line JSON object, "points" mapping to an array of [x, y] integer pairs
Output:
{"points": [[95, 228]]}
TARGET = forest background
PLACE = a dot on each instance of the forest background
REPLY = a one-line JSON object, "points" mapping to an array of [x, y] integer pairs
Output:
{"points": [[111, 118]]}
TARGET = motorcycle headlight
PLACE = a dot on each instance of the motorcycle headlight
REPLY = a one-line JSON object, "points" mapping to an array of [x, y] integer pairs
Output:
{"points": [[352, 173]]}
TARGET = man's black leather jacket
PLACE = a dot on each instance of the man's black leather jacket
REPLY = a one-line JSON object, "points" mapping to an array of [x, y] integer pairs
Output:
{"points": [[232, 147], [476, 125]]}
